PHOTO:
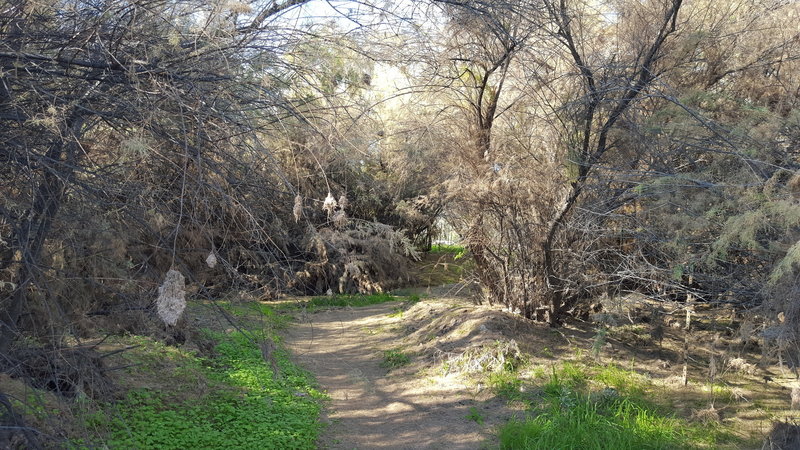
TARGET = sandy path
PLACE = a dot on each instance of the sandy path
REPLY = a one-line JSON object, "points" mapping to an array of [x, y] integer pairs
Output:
{"points": [[372, 407]]}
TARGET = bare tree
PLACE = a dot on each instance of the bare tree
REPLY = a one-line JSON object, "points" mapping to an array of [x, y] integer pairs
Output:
{"points": [[98, 99]]}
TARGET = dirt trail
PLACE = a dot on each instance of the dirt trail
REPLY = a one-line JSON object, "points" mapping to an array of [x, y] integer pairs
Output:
{"points": [[376, 408]]}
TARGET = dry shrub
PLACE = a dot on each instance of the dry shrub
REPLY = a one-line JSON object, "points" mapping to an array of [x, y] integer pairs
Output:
{"points": [[366, 257], [739, 365], [486, 358], [69, 372], [782, 332], [706, 416], [783, 436]]}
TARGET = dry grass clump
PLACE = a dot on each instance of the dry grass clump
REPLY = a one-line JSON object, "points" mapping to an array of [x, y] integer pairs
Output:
{"points": [[211, 260], [783, 436], [486, 358], [741, 366], [297, 209], [706, 416]]}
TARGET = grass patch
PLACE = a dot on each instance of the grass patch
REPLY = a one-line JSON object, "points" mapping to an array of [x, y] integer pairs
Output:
{"points": [[505, 384], [569, 415], [393, 359], [573, 422], [447, 248], [353, 301], [627, 382], [475, 415], [249, 395], [397, 313]]}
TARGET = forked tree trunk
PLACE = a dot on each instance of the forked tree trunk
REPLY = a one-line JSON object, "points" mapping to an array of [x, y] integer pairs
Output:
{"points": [[36, 225]]}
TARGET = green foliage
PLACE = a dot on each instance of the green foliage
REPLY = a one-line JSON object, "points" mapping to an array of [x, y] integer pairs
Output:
{"points": [[252, 408], [475, 415], [569, 417], [627, 382], [760, 230], [350, 300], [570, 374], [393, 359], [448, 248], [599, 340], [505, 384], [583, 424], [786, 264]]}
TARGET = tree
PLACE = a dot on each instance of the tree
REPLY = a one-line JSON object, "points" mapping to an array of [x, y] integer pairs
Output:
{"points": [[134, 113]]}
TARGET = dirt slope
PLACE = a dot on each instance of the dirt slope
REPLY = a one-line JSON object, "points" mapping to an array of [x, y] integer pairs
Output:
{"points": [[376, 408]]}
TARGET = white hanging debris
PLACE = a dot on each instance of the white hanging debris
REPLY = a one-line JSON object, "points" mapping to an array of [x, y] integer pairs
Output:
{"points": [[211, 261], [343, 202], [298, 208], [329, 293], [339, 219], [329, 204], [171, 298]]}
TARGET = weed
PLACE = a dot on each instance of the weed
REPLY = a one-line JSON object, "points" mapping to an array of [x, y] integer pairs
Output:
{"points": [[547, 353], [352, 301], [475, 415], [538, 372], [582, 424], [625, 381], [599, 341], [445, 248], [571, 417], [394, 358], [252, 399], [505, 384], [257, 410], [571, 374], [397, 313]]}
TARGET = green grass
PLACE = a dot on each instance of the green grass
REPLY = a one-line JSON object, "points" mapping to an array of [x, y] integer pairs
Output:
{"points": [[393, 359], [246, 404], [353, 301], [572, 421], [603, 409], [505, 384], [445, 248], [627, 382], [475, 415]]}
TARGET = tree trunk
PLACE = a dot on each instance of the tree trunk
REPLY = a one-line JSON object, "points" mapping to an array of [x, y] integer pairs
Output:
{"points": [[36, 225]]}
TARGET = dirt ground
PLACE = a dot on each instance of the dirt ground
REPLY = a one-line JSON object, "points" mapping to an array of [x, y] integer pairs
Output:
{"points": [[424, 405], [373, 407]]}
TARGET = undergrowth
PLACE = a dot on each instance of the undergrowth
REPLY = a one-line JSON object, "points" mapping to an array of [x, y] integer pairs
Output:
{"points": [[606, 408], [447, 248], [254, 400], [394, 358], [353, 301]]}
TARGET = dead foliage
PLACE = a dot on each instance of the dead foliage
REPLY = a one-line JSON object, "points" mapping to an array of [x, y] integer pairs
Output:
{"points": [[365, 257], [68, 372], [783, 436]]}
